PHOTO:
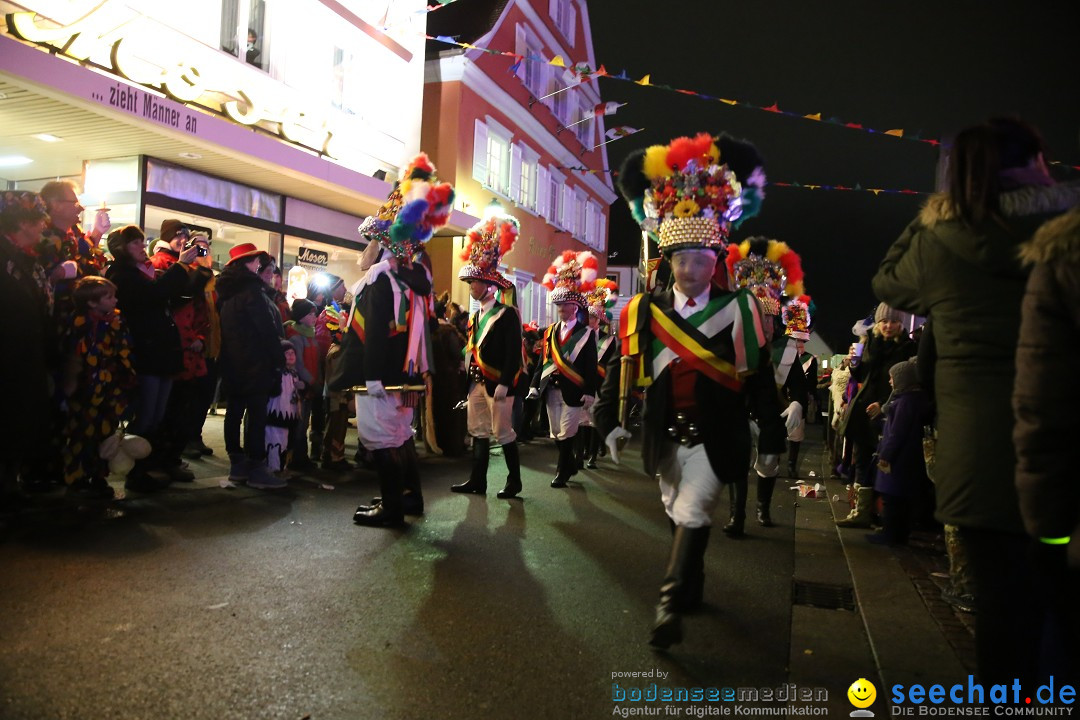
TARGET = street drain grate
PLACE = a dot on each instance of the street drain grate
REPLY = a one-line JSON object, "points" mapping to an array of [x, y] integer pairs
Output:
{"points": [[823, 595]]}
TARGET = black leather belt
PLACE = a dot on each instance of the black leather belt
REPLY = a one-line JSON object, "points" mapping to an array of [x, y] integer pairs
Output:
{"points": [[685, 430], [476, 374]]}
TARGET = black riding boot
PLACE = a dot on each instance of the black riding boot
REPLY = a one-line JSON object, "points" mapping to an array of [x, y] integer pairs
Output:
{"points": [[764, 499], [793, 459], [477, 482], [513, 471], [737, 518], [388, 513], [595, 441], [413, 498], [566, 463], [694, 589], [667, 630]]}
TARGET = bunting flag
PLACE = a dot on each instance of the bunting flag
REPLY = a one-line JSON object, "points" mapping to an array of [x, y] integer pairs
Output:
{"points": [[621, 131], [606, 108]]}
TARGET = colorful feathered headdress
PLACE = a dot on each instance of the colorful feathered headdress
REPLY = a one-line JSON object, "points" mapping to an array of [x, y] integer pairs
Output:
{"points": [[797, 317], [418, 206], [15, 202], [570, 276], [683, 193], [486, 244], [769, 268], [743, 158], [601, 299]]}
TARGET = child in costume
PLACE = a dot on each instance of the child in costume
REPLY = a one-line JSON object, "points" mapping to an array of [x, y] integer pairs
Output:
{"points": [[282, 414]]}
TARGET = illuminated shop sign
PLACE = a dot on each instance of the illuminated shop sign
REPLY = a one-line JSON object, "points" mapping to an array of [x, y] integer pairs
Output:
{"points": [[193, 74], [311, 256]]}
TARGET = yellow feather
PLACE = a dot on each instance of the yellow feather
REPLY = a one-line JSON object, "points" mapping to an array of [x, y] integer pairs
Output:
{"points": [[655, 164], [744, 248], [794, 290], [714, 153], [776, 249]]}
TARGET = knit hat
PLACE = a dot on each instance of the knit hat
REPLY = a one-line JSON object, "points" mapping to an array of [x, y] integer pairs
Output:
{"points": [[601, 298], [769, 268], [485, 245], [884, 313], [796, 317], [570, 275], [905, 375], [417, 207], [170, 227], [301, 308], [682, 194]]}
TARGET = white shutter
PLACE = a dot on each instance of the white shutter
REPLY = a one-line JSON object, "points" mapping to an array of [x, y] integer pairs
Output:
{"points": [[543, 188], [601, 231], [572, 25], [590, 225], [480, 152], [521, 47], [553, 10], [515, 173], [567, 214]]}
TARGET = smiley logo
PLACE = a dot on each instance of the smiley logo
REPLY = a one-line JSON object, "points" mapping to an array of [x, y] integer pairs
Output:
{"points": [[862, 693]]}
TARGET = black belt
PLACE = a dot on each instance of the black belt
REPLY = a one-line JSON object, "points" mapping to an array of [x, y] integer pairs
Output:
{"points": [[685, 430], [476, 374]]}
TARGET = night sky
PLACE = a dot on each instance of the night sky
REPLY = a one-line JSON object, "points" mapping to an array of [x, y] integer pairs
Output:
{"points": [[928, 67]]}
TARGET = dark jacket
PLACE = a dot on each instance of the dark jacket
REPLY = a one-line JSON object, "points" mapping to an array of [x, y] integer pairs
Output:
{"points": [[872, 373], [251, 334], [971, 282], [584, 364], [1046, 395], [725, 418], [145, 303], [501, 349], [901, 444], [377, 354]]}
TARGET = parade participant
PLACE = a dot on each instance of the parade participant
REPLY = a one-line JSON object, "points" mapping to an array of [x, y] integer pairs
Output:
{"points": [[492, 355], [388, 343], [566, 376], [772, 272], [598, 301], [701, 354], [797, 385]]}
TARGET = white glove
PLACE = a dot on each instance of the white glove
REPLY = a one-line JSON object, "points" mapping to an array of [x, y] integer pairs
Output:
{"points": [[102, 223], [767, 466], [794, 415], [612, 442], [588, 401], [375, 389], [533, 394], [500, 392]]}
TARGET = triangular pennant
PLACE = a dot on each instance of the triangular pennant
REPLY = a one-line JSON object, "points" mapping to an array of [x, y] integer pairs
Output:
{"points": [[813, 116], [895, 133], [645, 80], [728, 102], [772, 108], [557, 61]]}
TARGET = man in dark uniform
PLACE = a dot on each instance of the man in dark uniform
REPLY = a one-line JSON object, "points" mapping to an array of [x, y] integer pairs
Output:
{"points": [[700, 352], [387, 345], [598, 301], [566, 377], [493, 354]]}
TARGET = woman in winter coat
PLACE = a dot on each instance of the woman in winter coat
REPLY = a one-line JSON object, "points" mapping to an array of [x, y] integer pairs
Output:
{"points": [[144, 298], [958, 262], [1044, 400]]}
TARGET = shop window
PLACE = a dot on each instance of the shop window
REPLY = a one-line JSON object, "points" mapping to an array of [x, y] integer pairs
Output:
{"points": [[245, 38]]}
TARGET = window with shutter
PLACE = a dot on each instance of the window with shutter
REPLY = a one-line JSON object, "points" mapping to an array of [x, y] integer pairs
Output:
{"points": [[480, 152]]}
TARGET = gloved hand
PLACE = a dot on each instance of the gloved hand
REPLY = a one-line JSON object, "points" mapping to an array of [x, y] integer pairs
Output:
{"points": [[375, 389], [767, 465], [794, 415], [612, 442], [588, 401], [533, 394], [102, 224], [500, 392]]}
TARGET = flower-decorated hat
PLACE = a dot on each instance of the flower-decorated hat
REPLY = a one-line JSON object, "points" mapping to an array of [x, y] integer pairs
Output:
{"points": [[797, 317], [570, 276], [418, 206], [601, 298], [682, 193], [486, 244], [769, 268], [22, 203]]}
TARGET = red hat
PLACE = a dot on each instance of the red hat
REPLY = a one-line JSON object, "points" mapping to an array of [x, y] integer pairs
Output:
{"points": [[243, 251]]}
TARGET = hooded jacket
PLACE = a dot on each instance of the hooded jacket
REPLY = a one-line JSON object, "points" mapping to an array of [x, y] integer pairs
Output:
{"points": [[251, 334], [971, 281]]}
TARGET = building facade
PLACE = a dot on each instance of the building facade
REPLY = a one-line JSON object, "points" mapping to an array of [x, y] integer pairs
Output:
{"points": [[515, 130], [278, 123]]}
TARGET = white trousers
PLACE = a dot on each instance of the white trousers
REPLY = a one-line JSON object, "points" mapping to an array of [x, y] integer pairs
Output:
{"points": [[487, 418], [383, 423], [562, 418], [688, 487]]}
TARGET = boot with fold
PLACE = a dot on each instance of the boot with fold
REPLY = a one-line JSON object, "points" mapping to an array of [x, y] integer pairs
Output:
{"points": [[793, 459], [859, 517], [667, 630], [477, 482], [566, 462], [595, 441], [764, 499], [388, 513], [694, 590], [513, 471], [737, 518]]}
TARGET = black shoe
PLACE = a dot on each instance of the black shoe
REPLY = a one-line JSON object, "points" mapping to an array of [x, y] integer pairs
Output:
{"points": [[667, 630], [377, 517], [179, 474], [763, 518], [472, 486], [735, 526], [591, 464], [342, 465], [91, 489], [409, 506], [143, 483]]}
